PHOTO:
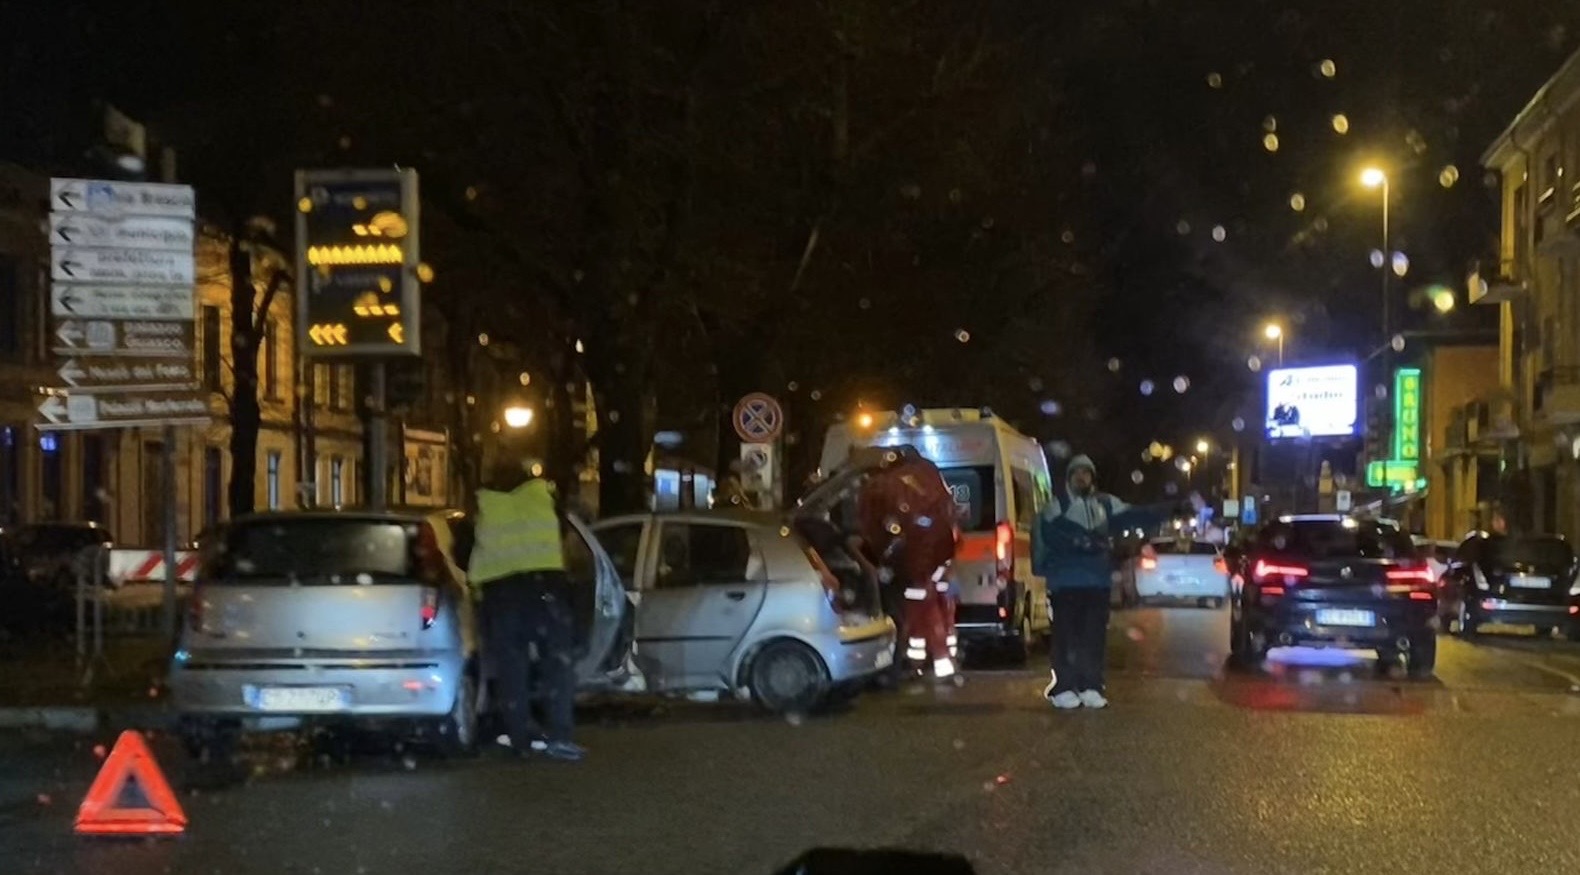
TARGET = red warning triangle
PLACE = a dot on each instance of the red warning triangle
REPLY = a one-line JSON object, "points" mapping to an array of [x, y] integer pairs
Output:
{"points": [[101, 812]]}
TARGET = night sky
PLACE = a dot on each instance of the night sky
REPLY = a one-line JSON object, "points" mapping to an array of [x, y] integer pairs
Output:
{"points": [[1168, 116]]}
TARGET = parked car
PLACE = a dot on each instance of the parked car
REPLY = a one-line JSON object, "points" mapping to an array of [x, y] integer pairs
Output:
{"points": [[739, 603], [1332, 581], [1183, 568], [1438, 554], [1515, 579], [346, 617]]}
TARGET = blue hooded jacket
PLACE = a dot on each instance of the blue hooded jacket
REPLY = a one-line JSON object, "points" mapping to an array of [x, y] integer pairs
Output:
{"points": [[1071, 545]]}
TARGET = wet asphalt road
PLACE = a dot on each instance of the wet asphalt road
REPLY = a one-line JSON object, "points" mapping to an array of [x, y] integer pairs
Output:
{"points": [[1318, 765]]}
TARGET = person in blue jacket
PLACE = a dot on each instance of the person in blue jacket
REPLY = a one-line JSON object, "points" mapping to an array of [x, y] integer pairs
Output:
{"points": [[1073, 551]]}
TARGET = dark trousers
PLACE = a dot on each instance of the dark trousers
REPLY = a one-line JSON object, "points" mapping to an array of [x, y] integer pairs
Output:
{"points": [[531, 637], [1078, 646]]}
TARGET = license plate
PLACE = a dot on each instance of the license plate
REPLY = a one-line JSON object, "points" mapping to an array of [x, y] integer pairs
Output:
{"points": [[301, 699], [1525, 582], [885, 659], [1340, 617], [1183, 581]]}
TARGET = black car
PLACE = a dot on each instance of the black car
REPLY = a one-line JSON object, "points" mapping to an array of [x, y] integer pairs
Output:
{"points": [[1331, 581], [1516, 579]]}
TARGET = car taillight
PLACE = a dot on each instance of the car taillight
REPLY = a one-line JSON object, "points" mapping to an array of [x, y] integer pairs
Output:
{"points": [[1264, 570], [1414, 582], [1270, 592], [430, 606], [1004, 551], [1148, 563], [1220, 565]]}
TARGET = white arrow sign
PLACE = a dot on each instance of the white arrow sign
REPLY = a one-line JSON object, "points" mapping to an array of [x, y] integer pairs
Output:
{"points": [[122, 198], [155, 267], [53, 409], [121, 302], [124, 232]]}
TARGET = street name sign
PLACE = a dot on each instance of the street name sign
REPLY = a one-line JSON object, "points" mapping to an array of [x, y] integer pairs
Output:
{"points": [[124, 337], [125, 232], [122, 303], [99, 265]]}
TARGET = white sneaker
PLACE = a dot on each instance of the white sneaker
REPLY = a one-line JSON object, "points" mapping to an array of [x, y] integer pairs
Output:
{"points": [[1066, 701], [1093, 699]]}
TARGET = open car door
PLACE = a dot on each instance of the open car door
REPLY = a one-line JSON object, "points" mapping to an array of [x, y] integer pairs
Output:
{"points": [[601, 610]]}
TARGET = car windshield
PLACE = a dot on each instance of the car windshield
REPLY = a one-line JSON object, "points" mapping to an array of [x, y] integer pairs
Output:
{"points": [[1333, 539], [1546, 554], [346, 549], [1172, 546]]}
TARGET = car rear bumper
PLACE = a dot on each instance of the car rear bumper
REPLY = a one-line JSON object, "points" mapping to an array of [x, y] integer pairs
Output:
{"points": [[1298, 624], [410, 686], [1156, 586], [1522, 613], [854, 659], [976, 622]]}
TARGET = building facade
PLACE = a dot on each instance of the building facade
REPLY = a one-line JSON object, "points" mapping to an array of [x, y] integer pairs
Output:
{"points": [[1531, 422]]}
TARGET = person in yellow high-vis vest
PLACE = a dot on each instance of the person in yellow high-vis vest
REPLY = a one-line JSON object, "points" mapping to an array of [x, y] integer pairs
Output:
{"points": [[517, 565]]}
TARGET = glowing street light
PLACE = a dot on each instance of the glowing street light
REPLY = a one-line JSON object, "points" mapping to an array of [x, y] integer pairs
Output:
{"points": [[1202, 446], [518, 416], [864, 420], [1372, 177]]}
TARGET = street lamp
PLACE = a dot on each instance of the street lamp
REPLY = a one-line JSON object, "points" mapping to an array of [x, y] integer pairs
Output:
{"points": [[518, 416], [1373, 177], [1202, 446], [1274, 331]]}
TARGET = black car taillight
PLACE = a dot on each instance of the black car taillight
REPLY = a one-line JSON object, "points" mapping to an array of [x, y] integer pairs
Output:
{"points": [[1413, 581]]}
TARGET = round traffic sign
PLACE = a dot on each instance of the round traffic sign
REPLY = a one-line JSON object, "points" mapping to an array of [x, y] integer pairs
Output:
{"points": [[758, 418]]}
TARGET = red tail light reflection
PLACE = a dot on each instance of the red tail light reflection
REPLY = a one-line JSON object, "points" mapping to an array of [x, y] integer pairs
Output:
{"points": [[1264, 570]]}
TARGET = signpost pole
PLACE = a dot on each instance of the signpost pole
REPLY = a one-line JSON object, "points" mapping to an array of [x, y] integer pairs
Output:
{"points": [[167, 463], [378, 439]]}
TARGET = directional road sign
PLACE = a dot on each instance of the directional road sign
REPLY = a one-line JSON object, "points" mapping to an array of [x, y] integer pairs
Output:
{"points": [[357, 254], [122, 302], [121, 410], [124, 337], [113, 197], [113, 373], [123, 232], [81, 264], [758, 418]]}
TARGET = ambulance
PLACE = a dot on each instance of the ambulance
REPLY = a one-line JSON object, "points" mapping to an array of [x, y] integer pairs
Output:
{"points": [[1000, 483]]}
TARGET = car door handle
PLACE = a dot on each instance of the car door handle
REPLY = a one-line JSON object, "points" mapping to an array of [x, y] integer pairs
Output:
{"points": [[736, 595]]}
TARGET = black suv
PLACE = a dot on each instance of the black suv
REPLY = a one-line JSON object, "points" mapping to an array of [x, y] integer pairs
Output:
{"points": [[1518, 579], [1331, 581]]}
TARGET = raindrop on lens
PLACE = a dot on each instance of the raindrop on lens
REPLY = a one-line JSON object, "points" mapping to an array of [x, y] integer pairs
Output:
{"points": [[1254, 363], [1146, 387], [1113, 365], [1376, 258], [1397, 343], [1448, 176], [1219, 234], [1270, 142], [1183, 227], [1171, 488], [1059, 449], [1214, 80], [1297, 202], [1238, 424], [1328, 69], [1051, 408], [1341, 123], [962, 335], [1136, 477], [1401, 264], [1181, 384]]}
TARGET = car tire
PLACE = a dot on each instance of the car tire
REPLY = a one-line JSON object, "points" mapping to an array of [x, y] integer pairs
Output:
{"points": [[787, 677], [1244, 651], [455, 734], [1025, 640], [1421, 661]]}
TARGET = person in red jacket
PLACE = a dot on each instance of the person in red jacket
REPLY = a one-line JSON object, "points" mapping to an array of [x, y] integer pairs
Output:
{"points": [[906, 518]]}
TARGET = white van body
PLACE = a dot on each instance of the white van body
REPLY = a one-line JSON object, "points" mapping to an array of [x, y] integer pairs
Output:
{"points": [[1001, 483]]}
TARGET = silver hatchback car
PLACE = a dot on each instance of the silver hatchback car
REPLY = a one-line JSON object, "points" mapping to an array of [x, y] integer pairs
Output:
{"points": [[741, 603], [350, 616]]}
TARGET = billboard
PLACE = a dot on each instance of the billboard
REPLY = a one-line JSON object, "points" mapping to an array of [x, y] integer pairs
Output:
{"points": [[1311, 402]]}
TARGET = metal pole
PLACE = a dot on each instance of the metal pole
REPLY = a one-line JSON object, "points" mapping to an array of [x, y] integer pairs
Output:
{"points": [[1280, 349], [378, 440], [1387, 331], [167, 464]]}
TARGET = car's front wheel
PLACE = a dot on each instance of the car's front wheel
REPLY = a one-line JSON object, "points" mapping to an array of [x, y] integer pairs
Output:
{"points": [[788, 677]]}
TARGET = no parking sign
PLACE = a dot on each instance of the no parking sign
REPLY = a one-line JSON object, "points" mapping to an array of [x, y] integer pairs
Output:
{"points": [[758, 418]]}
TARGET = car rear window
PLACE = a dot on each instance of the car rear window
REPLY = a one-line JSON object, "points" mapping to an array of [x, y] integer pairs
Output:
{"points": [[1543, 553], [1325, 539], [351, 551], [1187, 548], [975, 503]]}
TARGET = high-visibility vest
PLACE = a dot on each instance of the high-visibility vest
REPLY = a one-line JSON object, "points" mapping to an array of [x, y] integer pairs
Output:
{"points": [[516, 532]]}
